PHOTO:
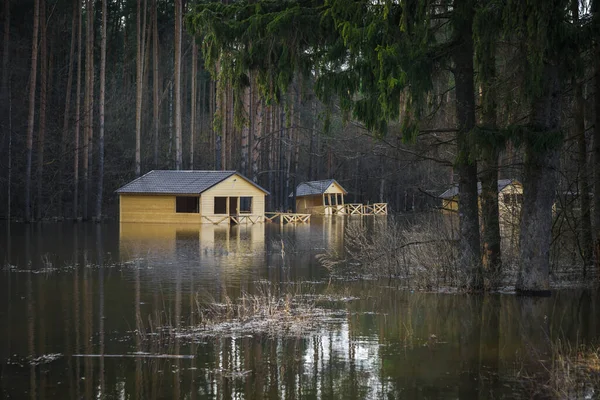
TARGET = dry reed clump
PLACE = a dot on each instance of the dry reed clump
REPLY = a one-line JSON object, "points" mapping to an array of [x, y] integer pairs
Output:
{"points": [[421, 252], [573, 372], [291, 310]]}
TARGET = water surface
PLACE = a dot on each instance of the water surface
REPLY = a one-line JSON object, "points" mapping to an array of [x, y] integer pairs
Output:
{"points": [[78, 303]]}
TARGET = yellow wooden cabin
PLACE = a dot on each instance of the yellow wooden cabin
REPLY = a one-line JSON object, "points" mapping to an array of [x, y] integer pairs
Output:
{"points": [[192, 197], [510, 197], [324, 197]]}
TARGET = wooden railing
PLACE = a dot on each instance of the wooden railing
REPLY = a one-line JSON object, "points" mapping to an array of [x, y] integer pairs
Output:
{"points": [[234, 219], [357, 209], [287, 218]]}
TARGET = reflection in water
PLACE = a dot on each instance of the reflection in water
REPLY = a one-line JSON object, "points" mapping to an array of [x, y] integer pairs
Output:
{"points": [[128, 290]]}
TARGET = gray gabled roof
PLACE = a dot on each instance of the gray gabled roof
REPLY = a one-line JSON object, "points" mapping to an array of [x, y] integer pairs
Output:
{"points": [[179, 182], [313, 188], [453, 191]]}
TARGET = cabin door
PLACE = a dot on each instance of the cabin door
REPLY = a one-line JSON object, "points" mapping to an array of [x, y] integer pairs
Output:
{"points": [[233, 206]]}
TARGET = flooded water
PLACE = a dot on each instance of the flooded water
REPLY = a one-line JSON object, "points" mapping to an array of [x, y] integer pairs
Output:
{"points": [[78, 303]]}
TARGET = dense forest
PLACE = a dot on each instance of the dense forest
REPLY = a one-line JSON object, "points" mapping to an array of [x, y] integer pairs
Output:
{"points": [[397, 100], [112, 95]]}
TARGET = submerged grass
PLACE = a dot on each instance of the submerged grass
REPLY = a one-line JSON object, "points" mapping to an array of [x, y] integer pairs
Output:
{"points": [[572, 372], [292, 309]]}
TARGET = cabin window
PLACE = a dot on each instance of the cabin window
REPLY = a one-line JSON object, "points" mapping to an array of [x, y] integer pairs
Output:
{"points": [[245, 205], [513, 199], [220, 205], [326, 200], [185, 204]]}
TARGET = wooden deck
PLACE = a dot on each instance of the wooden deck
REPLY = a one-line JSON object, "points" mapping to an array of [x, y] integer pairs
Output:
{"points": [[287, 218]]}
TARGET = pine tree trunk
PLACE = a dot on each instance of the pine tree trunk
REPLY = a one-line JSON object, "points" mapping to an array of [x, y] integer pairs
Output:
{"points": [[596, 155], [257, 133], [139, 88], [89, 108], [490, 214], [66, 116], [246, 131], [193, 100], [177, 75], [77, 126], [5, 99], [31, 114], [155, 100], [101, 115], [296, 127], [6, 48], [223, 110], [282, 159], [539, 188], [270, 155], [43, 100], [584, 186], [313, 137], [9, 179], [465, 166]]}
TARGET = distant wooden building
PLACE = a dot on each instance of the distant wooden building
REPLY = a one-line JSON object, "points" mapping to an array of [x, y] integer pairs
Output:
{"points": [[194, 197], [510, 197], [324, 197]]}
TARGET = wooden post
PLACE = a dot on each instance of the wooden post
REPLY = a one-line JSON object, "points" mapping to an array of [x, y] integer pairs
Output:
{"points": [[227, 206]]}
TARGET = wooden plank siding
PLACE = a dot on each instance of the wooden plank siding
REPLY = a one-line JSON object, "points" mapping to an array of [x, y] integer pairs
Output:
{"points": [[234, 186], [153, 208]]}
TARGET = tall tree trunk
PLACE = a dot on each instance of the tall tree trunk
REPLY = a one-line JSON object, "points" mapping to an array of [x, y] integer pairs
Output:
{"points": [[490, 214], [223, 110], [43, 99], [257, 136], [539, 188], [155, 101], [584, 186], [312, 146], [211, 125], [281, 149], [89, 107], [6, 48], [139, 87], [9, 179], [31, 114], [296, 128], [466, 167], [77, 126], [246, 130], [101, 115], [193, 100], [596, 152], [5, 99], [66, 115], [177, 75]]}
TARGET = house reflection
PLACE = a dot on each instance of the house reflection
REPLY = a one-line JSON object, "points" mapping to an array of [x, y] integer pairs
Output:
{"points": [[177, 242]]}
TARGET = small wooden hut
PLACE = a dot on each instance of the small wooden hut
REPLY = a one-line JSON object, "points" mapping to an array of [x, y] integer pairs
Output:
{"points": [[324, 197], [194, 197], [510, 197]]}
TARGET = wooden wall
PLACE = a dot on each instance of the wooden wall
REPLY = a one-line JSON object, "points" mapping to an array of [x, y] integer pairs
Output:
{"points": [[234, 186], [153, 208], [335, 188], [305, 203]]}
